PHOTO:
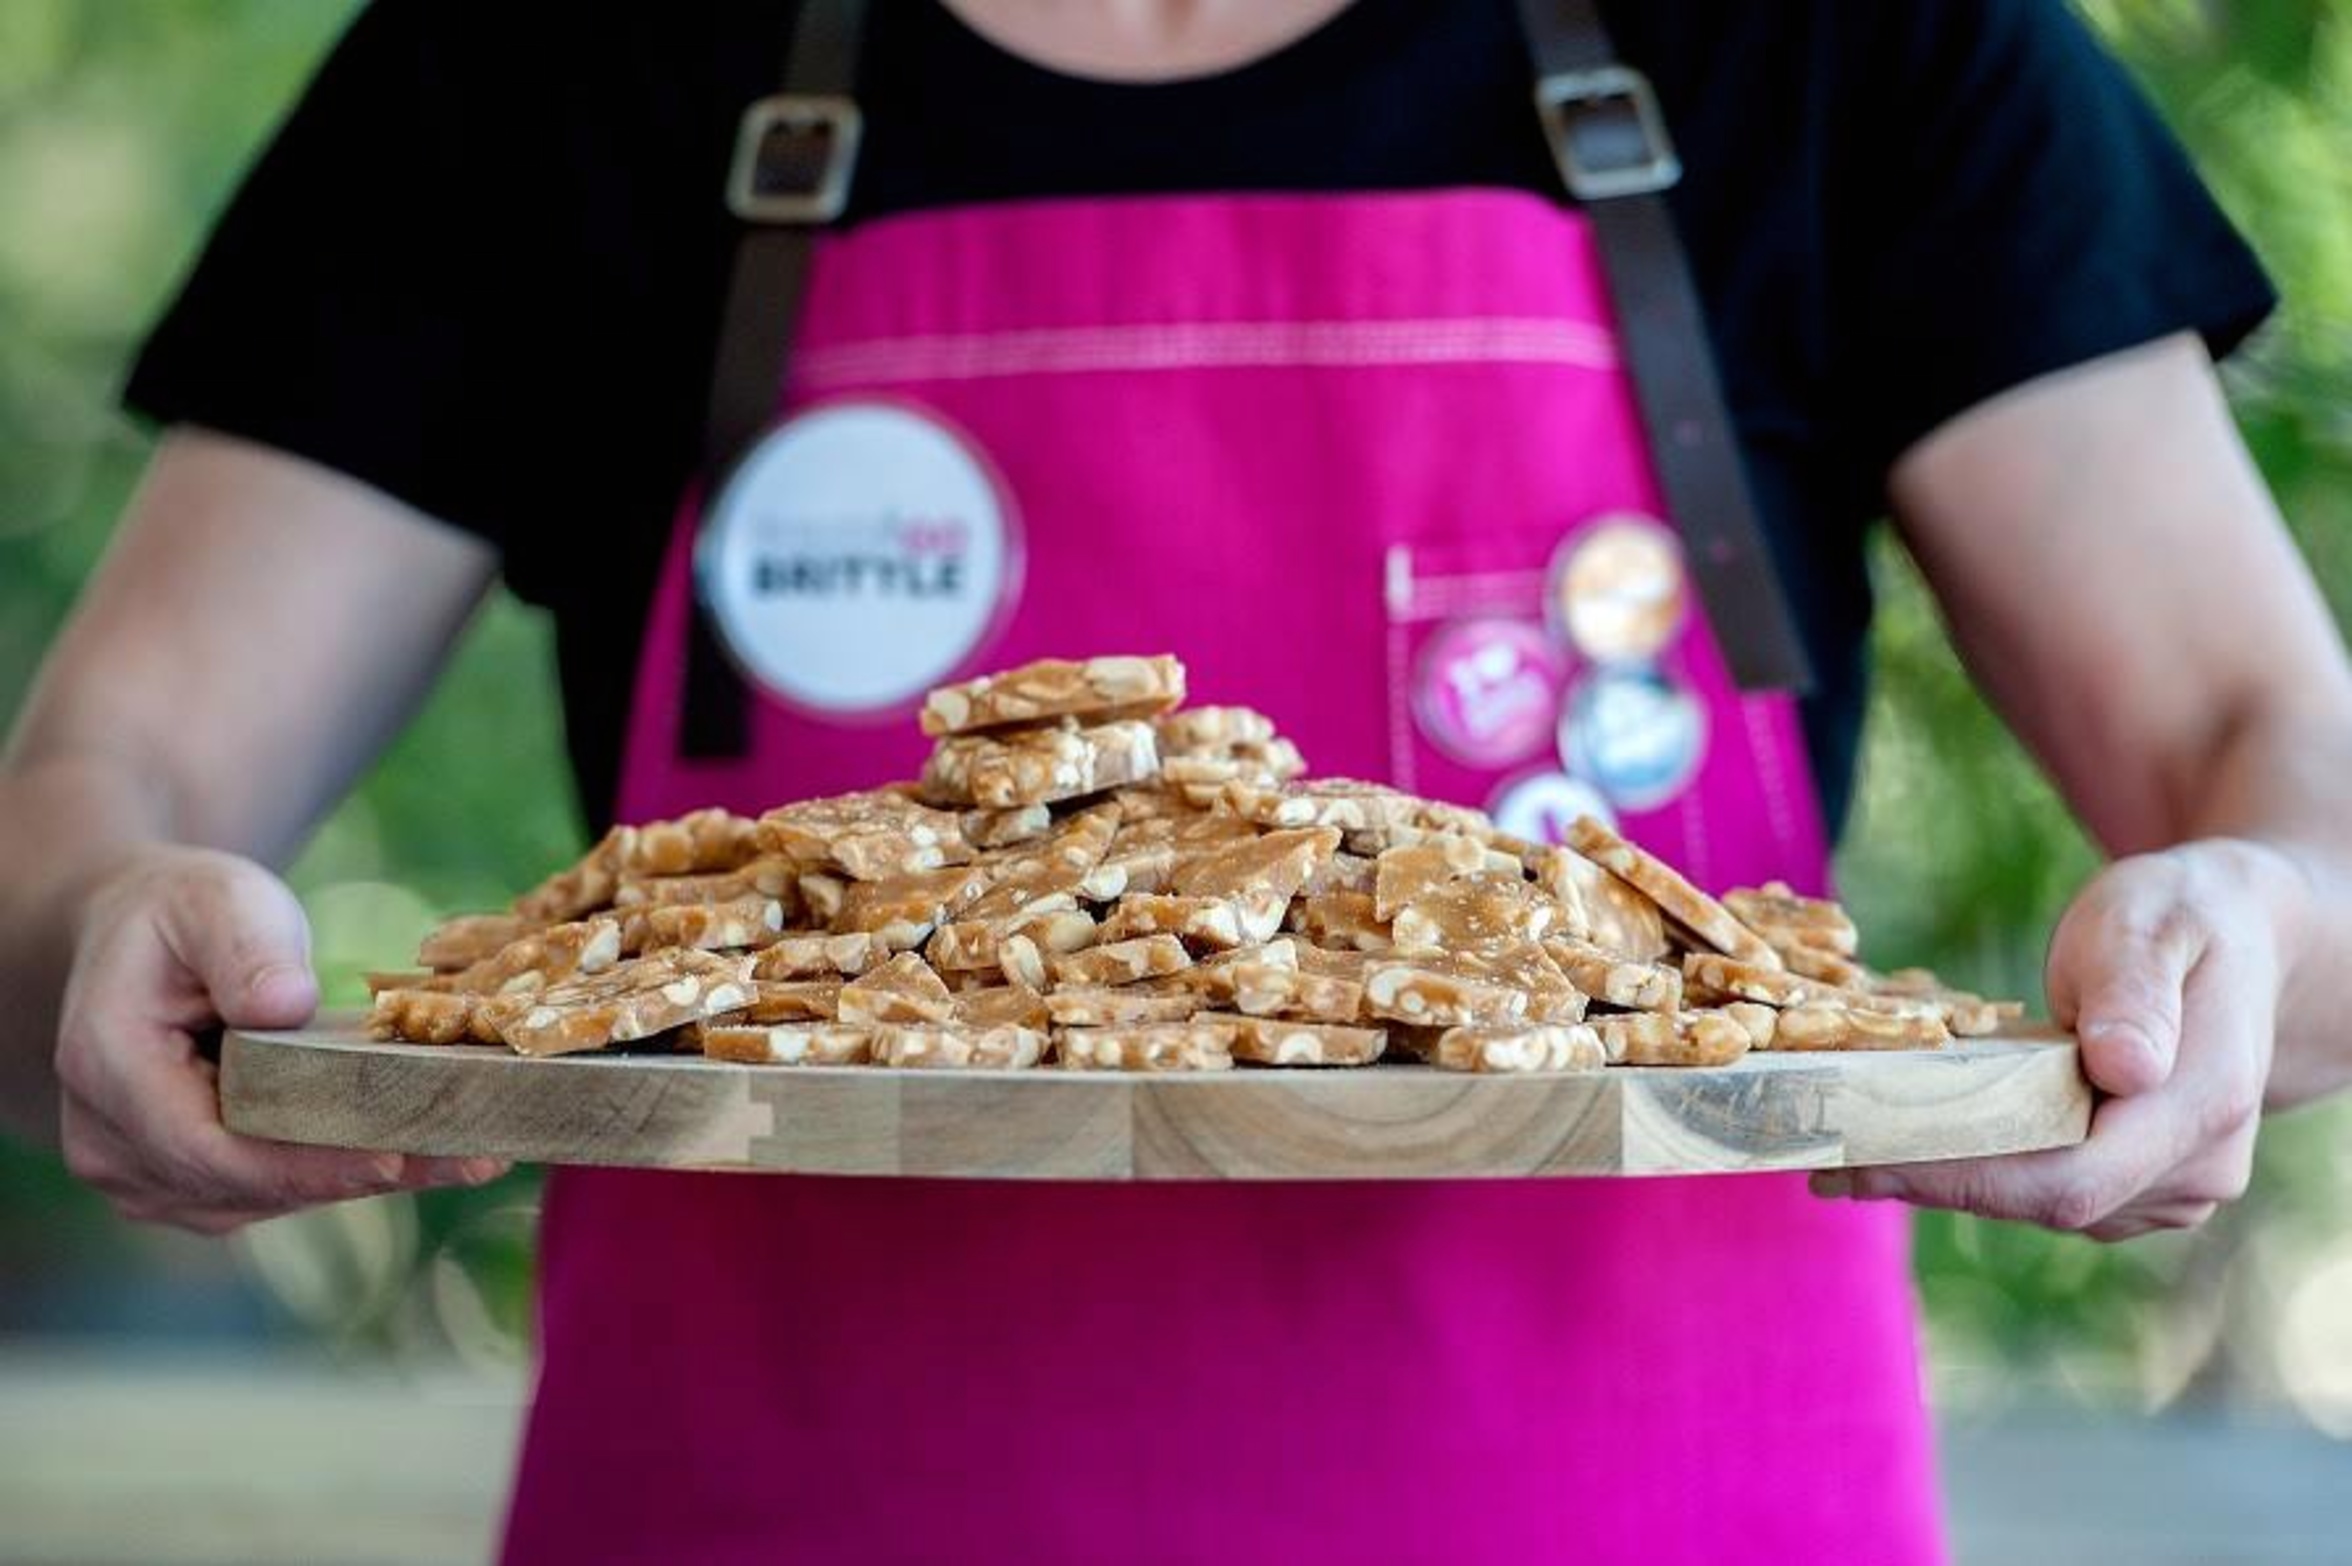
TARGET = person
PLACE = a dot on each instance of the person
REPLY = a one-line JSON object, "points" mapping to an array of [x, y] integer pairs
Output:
{"points": [[1263, 334]]}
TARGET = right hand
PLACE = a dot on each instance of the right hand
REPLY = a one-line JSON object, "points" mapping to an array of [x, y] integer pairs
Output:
{"points": [[175, 941]]}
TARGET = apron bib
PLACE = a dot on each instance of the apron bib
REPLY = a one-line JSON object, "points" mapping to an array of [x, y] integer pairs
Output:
{"points": [[1369, 463]]}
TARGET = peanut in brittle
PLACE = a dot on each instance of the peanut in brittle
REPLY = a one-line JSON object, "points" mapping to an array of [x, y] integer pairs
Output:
{"points": [[544, 957], [979, 944], [1041, 766], [1342, 921], [1285, 1041], [1121, 962], [820, 956], [698, 842], [1571, 1046]]}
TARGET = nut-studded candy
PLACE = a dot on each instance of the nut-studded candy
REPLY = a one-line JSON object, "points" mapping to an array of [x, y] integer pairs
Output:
{"points": [[905, 909], [820, 956], [461, 942], [544, 957], [1690, 1038], [985, 829], [582, 888], [1219, 923], [1284, 1041], [1099, 1008], [427, 1017], [1340, 921], [1212, 731], [1198, 1045], [1001, 1006], [1041, 766], [1569, 1046], [1680, 901], [1614, 980], [1098, 689], [1048, 873], [1426, 992], [1351, 805], [1121, 962], [869, 836], [902, 990], [1274, 989], [786, 1044], [1817, 1026], [710, 927], [1784, 919], [630, 1000], [793, 1000], [1710, 977], [972, 946], [1409, 870], [1599, 907], [959, 1049], [699, 841], [1524, 966], [1479, 910], [1274, 864]]}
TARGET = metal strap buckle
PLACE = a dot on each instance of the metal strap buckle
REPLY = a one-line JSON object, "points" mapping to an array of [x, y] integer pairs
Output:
{"points": [[1606, 133], [794, 155]]}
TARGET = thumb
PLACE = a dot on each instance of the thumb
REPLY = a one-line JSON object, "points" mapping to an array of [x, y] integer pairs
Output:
{"points": [[241, 934], [2119, 964]]}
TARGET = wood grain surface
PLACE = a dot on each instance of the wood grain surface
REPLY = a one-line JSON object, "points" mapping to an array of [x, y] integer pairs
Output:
{"points": [[331, 1085]]}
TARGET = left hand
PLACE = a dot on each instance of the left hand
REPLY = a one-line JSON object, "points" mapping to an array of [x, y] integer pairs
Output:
{"points": [[2168, 968]]}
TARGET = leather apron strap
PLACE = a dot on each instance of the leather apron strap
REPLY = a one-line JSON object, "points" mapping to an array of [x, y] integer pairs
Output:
{"points": [[794, 160], [797, 154], [1609, 139]]}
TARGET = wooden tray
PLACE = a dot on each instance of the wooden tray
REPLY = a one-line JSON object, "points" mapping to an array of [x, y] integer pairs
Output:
{"points": [[331, 1085]]}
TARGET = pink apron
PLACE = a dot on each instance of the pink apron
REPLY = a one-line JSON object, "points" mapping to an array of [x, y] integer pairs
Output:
{"points": [[1337, 453]]}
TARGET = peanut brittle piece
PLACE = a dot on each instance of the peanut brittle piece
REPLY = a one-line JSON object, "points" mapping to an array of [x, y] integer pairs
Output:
{"points": [[1690, 1038], [1825, 966], [1097, 689], [786, 1044], [1345, 872], [1099, 1008], [467, 939], [769, 876], [1426, 992], [821, 897], [1524, 966], [424, 1016], [1285, 1041], [544, 957], [1709, 977], [1478, 910], [1273, 864], [1351, 805], [869, 836], [1041, 766], [1274, 989], [1567, 1046], [1344, 964], [905, 909], [972, 946], [1615, 980], [378, 981], [710, 927], [986, 829], [581, 888], [1966, 1014], [960, 1049], [1220, 923], [1819, 1026], [1343, 921], [699, 841], [1212, 731], [1048, 873], [1197, 1045], [775, 1001], [1784, 919], [1002, 1006], [1409, 870], [1761, 1022], [1680, 901], [820, 956], [631, 1000], [1120, 962], [903, 990], [1203, 776], [1600, 908]]}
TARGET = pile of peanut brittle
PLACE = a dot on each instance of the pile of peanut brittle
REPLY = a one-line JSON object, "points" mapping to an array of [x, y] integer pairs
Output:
{"points": [[1092, 876]]}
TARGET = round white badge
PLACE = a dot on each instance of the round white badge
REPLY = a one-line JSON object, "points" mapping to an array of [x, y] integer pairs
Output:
{"points": [[1636, 734], [1541, 806], [856, 556]]}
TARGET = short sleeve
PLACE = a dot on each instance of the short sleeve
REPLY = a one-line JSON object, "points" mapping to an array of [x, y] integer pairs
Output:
{"points": [[329, 315], [2008, 205]]}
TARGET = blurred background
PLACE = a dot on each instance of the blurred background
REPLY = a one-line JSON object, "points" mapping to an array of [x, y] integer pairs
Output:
{"points": [[2211, 1374]]}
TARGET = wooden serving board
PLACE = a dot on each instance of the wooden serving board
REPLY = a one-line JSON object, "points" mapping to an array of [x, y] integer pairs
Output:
{"points": [[332, 1085]]}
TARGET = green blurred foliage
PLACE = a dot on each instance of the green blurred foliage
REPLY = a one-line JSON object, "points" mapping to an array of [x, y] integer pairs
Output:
{"points": [[123, 124]]}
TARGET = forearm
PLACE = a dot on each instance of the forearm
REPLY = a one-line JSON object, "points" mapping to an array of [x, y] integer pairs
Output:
{"points": [[2278, 780], [65, 823]]}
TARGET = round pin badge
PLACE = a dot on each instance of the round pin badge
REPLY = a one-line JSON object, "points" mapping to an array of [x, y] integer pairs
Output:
{"points": [[1485, 690], [1541, 806], [1636, 734], [1617, 591], [857, 555]]}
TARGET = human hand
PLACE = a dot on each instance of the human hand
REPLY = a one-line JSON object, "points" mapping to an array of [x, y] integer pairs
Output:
{"points": [[2167, 967], [176, 941]]}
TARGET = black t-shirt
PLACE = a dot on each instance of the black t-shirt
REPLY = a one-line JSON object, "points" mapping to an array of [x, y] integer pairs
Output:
{"points": [[482, 265]]}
